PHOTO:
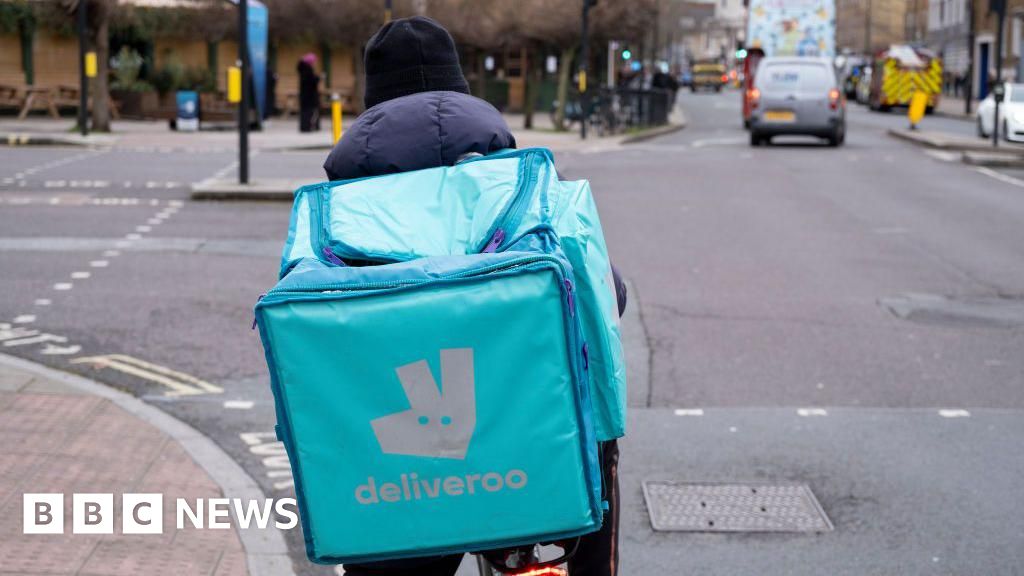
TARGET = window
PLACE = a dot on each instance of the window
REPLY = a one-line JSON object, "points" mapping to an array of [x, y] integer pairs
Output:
{"points": [[791, 78]]}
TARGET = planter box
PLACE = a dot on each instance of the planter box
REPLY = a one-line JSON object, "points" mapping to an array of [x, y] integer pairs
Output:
{"points": [[134, 104]]}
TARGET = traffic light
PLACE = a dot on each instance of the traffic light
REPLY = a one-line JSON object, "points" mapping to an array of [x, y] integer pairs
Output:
{"points": [[741, 53], [626, 54]]}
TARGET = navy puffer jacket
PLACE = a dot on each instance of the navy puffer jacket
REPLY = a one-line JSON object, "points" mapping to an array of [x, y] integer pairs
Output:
{"points": [[423, 130]]}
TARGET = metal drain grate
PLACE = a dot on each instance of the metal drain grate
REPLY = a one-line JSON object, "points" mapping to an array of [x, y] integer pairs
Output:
{"points": [[734, 508]]}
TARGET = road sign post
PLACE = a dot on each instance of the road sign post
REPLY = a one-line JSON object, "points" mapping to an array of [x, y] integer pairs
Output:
{"points": [[243, 109], [83, 79], [584, 57], [998, 91]]}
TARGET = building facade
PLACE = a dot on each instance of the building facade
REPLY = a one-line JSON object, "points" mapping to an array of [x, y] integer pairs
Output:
{"points": [[985, 45], [867, 26]]}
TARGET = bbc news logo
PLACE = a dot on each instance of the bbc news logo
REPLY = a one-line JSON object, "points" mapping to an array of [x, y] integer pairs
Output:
{"points": [[144, 513]]}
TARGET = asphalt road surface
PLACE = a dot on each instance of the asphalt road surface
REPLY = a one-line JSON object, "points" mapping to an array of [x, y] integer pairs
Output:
{"points": [[848, 318]]}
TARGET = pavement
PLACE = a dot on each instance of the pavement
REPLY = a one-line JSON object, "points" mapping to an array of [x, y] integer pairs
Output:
{"points": [[65, 435], [953, 107], [845, 318], [278, 136]]}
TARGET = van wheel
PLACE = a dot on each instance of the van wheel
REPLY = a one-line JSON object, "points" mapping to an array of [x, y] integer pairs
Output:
{"points": [[756, 139], [981, 129], [838, 136]]}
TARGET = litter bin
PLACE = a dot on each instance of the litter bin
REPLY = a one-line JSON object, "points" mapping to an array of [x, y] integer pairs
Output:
{"points": [[187, 119]]}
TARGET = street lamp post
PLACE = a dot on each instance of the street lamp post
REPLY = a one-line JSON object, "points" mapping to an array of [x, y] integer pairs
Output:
{"points": [[243, 109], [83, 86]]}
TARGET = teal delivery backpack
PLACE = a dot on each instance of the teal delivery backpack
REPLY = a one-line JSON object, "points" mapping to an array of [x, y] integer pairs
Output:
{"points": [[432, 362]]}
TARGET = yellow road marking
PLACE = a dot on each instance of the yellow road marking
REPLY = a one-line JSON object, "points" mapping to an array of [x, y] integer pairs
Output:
{"points": [[180, 384]]}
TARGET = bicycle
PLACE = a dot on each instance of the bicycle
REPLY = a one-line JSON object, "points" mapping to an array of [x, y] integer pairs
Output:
{"points": [[524, 561]]}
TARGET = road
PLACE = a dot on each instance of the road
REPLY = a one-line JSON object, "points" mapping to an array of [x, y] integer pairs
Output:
{"points": [[870, 285]]}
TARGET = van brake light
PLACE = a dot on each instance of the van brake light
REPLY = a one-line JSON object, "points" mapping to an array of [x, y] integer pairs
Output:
{"points": [[833, 98], [754, 96]]}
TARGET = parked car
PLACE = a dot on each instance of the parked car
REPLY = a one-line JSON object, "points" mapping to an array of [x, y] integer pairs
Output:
{"points": [[1011, 114], [797, 96], [709, 76]]}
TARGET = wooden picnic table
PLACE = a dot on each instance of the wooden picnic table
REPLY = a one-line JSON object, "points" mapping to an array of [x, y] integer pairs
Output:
{"points": [[52, 97], [36, 96], [10, 96]]}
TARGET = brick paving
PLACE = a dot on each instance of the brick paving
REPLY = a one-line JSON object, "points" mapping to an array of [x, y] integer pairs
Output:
{"points": [[56, 439]]}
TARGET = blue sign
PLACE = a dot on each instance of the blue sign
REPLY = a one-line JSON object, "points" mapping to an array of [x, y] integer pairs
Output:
{"points": [[257, 18], [188, 110]]}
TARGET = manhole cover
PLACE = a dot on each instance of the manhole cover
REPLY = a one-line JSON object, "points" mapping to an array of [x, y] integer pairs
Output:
{"points": [[989, 311], [734, 508]]}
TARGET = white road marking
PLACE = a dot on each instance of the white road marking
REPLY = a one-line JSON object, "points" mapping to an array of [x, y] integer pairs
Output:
{"points": [[944, 155], [99, 263], [273, 455], [111, 253], [24, 319], [689, 412], [238, 404], [142, 228], [954, 413], [63, 286], [43, 302], [181, 384], [1001, 177], [820, 386], [812, 412], [133, 236], [732, 428], [153, 221], [122, 243], [80, 275]]}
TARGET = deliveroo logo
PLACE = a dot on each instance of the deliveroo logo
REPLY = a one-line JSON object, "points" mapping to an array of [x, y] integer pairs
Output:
{"points": [[440, 420]]}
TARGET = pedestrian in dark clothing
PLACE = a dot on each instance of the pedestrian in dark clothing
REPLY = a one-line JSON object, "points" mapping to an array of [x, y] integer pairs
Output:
{"points": [[420, 115], [309, 94]]}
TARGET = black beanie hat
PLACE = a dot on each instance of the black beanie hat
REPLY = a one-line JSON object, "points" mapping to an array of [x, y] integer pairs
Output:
{"points": [[411, 55]]}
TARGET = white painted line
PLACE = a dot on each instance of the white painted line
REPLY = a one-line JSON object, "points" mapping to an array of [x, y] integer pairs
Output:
{"points": [[1001, 177], [63, 286], [80, 275], [99, 263], [133, 236], [43, 302], [238, 404], [111, 253], [732, 428], [812, 412], [153, 221], [122, 243], [689, 412], [954, 413], [142, 228], [177, 203], [24, 319]]}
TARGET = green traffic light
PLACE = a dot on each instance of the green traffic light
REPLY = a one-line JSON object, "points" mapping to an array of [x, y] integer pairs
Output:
{"points": [[741, 53], [626, 54]]}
